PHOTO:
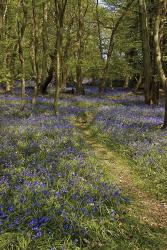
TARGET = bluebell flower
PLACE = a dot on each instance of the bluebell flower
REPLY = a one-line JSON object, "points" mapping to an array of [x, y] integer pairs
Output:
{"points": [[10, 209], [3, 215], [38, 234], [43, 220], [33, 222]]}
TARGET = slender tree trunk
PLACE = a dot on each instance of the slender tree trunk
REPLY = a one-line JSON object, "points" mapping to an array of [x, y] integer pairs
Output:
{"points": [[126, 83], [102, 80], [21, 58], [8, 83], [64, 76], [60, 7], [13, 56], [21, 31], [139, 82], [4, 34], [79, 77], [58, 68], [44, 41], [35, 57]]}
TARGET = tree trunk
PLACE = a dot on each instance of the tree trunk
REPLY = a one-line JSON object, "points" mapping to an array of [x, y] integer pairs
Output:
{"points": [[139, 82], [8, 83], [44, 42], [161, 12], [64, 77], [21, 31], [48, 79], [58, 69], [60, 7], [21, 58], [35, 53], [79, 78], [146, 51], [155, 83], [165, 116], [79, 86], [12, 64], [126, 83]]}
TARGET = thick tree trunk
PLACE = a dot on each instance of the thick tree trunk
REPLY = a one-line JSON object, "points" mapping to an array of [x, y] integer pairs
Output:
{"points": [[50, 74], [102, 85], [146, 51], [3, 11], [47, 81], [165, 116], [5, 36], [159, 20], [155, 83]]}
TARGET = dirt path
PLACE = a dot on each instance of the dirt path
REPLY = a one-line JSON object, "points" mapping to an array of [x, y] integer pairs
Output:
{"points": [[145, 207]]}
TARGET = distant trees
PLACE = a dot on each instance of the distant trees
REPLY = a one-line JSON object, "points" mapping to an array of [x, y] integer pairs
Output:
{"points": [[69, 47], [60, 40]]}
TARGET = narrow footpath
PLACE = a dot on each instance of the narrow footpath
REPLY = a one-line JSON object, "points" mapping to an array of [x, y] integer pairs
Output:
{"points": [[143, 206]]}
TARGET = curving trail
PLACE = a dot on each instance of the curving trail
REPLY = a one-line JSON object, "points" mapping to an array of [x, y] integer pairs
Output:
{"points": [[143, 206]]}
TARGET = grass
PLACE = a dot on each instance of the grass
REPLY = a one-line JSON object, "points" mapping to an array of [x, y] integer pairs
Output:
{"points": [[54, 193], [127, 126]]}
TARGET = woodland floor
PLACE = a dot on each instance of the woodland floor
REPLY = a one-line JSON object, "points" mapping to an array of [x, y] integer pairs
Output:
{"points": [[144, 224], [144, 206]]}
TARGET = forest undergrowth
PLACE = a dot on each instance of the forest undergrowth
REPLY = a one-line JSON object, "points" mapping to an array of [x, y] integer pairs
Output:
{"points": [[55, 192]]}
